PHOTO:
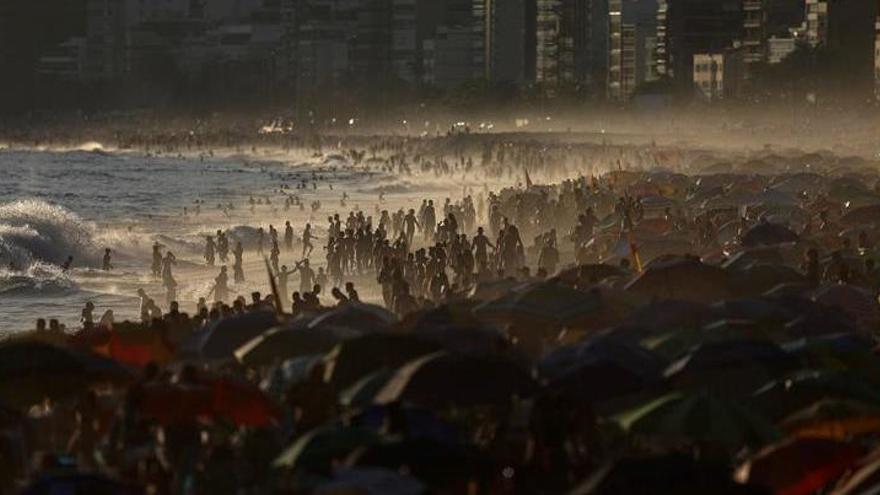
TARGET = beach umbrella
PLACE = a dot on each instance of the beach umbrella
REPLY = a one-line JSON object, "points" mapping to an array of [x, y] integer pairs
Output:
{"points": [[281, 343], [670, 474], [768, 234], [409, 422], [596, 382], [606, 347], [454, 313], [318, 449], [211, 398], [700, 418], [291, 372], [493, 289], [799, 466], [589, 274], [31, 371], [76, 483], [356, 358], [668, 314], [221, 339], [736, 366], [683, 279], [675, 344], [857, 303], [460, 339], [362, 393], [545, 303], [791, 393], [762, 277], [371, 481], [360, 316], [843, 351], [865, 215], [864, 478], [437, 464], [443, 379], [837, 419]]}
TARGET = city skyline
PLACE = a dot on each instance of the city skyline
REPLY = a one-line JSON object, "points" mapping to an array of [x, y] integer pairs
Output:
{"points": [[147, 52]]}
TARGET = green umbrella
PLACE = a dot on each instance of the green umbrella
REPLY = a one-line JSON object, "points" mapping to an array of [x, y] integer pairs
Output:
{"points": [[699, 418], [795, 391], [319, 448]]}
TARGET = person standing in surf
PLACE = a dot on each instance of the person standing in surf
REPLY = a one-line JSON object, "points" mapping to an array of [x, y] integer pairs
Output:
{"points": [[157, 260], [237, 269], [106, 266], [168, 278]]}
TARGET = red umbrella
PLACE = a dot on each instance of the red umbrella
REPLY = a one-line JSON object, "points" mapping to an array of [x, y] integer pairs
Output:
{"points": [[799, 466], [240, 403]]}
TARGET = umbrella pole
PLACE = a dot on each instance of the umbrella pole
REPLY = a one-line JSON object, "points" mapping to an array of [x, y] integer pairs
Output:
{"points": [[279, 310]]}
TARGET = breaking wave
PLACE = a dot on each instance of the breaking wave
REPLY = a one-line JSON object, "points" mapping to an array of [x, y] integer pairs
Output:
{"points": [[34, 231]]}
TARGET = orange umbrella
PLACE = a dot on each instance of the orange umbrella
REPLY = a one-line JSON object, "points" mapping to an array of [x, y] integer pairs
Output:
{"points": [[799, 466], [834, 420]]}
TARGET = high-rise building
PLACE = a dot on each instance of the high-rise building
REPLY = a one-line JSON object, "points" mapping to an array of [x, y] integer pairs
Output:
{"points": [[754, 32], [385, 41], [565, 39], [107, 40], [632, 54], [501, 30], [687, 27], [877, 58], [817, 22]]}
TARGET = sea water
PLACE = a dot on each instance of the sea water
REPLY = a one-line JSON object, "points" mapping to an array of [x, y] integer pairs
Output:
{"points": [[55, 204]]}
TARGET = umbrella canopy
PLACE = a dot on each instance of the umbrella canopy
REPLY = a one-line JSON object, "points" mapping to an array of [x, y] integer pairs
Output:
{"points": [[282, 343], [437, 464], [223, 399], [317, 450], [660, 316], [791, 393], [466, 339], [737, 366], [762, 277], [799, 466], [371, 481], [364, 317], [356, 358], [493, 289], [410, 422], [836, 419], [865, 215], [768, 234], [443, 379], [683, 279], [864, 478], [700, 418], [859, 304], [79, 483], [545, 303], [606, 347], [671, 474], [589, 274], [31, 371], [220, 341]]}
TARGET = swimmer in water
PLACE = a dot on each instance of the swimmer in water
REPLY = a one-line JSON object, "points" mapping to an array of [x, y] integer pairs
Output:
{"points": [[106, 265], [67, 264]]}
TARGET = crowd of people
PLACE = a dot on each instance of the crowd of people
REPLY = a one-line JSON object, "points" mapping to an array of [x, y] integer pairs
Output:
{"points": [[634, 331]]}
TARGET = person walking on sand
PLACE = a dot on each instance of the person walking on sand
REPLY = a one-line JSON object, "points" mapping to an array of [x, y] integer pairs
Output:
{"points": [[307, 241]]}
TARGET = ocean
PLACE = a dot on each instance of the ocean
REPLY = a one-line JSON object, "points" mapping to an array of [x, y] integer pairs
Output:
{"points": [[60, 203]]}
